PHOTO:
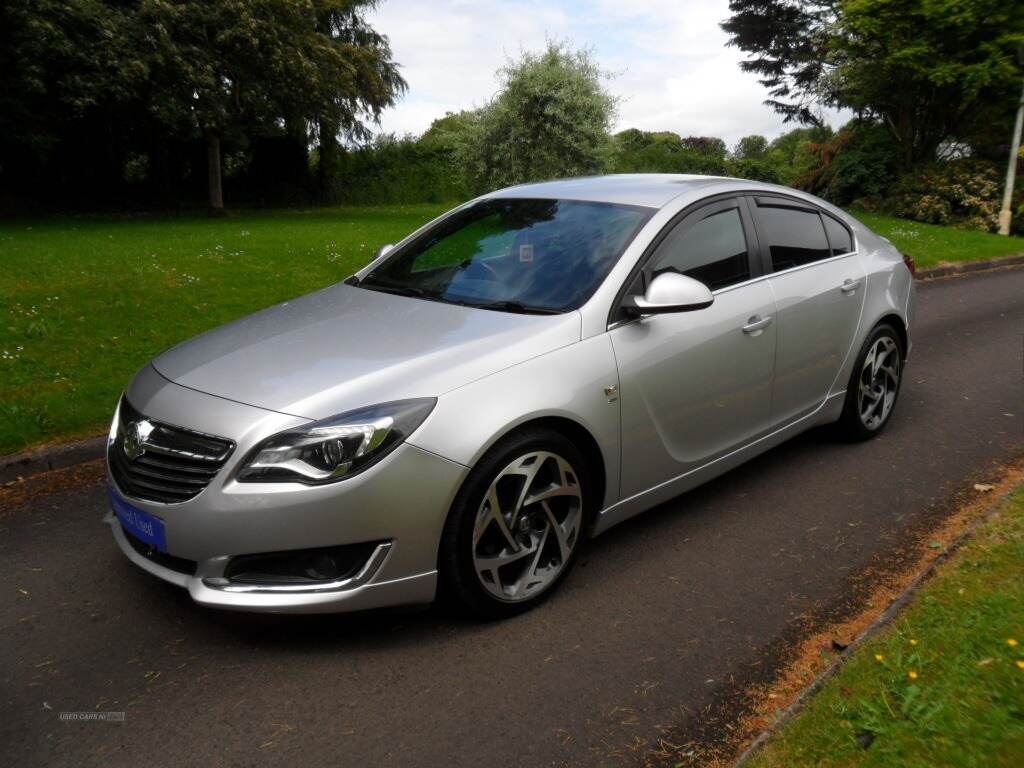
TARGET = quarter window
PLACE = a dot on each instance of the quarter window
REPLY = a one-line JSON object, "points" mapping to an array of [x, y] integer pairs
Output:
{"points": [[713, 251], [838, 236], [795, 237]]}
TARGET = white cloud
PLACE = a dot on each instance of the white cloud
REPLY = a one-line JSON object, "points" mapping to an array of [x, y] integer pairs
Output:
{"points": [[673, 70]]}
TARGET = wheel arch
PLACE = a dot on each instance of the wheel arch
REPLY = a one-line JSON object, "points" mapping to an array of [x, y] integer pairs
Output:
{"points": [[589, 447], [899, 325], [580, 436]]}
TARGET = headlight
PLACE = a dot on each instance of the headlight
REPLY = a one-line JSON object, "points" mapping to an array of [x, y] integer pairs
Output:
{"points": [[335, 448]]}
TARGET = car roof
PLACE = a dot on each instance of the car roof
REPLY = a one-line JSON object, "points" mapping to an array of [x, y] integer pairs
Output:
{"points": [[651, 190]]}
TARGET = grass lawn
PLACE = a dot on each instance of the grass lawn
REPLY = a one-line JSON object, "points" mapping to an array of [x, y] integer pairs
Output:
{"points": [[85, 302], [943, 685], [931, 245]]}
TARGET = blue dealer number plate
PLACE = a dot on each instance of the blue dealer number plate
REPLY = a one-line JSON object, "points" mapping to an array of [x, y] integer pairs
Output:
{"points": [[141, 525]]}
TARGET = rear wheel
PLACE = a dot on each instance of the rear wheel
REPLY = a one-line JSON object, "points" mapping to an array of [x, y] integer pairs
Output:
{"points": [[513, 532], [874, 385]]}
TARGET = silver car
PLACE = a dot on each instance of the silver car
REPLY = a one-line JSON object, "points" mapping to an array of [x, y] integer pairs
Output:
{"points": [[530, 369]]}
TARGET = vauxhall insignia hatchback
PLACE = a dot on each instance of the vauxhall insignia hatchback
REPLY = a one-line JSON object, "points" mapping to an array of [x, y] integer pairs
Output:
{"points": [[530, 369]]}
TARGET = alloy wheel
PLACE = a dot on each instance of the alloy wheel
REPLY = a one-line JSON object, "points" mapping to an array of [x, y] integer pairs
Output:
{"points": [[527, 526], [878, 383]]}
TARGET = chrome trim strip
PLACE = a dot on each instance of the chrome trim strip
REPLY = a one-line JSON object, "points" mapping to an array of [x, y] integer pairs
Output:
{"points": [[166, 424], [163, 450], [791, 270], [367, 572]]}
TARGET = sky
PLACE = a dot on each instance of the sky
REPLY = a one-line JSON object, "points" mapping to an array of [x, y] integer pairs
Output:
{"points": [[668, 59]]}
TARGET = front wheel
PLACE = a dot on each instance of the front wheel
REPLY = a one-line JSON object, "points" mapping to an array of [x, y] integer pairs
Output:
{"points": [[514, 530], [874, 385]]}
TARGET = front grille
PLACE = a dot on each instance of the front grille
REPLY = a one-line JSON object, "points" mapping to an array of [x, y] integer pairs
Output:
{"points": [[163, 463], [179, 564]]}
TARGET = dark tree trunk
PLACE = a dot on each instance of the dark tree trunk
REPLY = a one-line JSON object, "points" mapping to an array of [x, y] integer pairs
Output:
{"points": [[214, 173], [327, 172]]}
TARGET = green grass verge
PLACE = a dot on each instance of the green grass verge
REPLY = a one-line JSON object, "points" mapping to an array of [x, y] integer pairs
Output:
{"points": [[931, 245], [943, 685], [84, 303]]}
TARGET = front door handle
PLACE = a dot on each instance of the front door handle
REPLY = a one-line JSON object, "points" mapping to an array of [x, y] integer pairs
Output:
{"points": [[850, 285], [756, 324]]}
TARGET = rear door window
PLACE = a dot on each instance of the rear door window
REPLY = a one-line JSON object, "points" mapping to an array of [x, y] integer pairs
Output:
{"points": [[794, 236]]}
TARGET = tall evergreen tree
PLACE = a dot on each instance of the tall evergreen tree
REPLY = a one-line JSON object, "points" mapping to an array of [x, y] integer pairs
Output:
{"points": [[372, 81], [927, 69]]}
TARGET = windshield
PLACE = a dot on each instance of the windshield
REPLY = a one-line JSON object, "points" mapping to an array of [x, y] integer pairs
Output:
{"points": [[513, 255]]}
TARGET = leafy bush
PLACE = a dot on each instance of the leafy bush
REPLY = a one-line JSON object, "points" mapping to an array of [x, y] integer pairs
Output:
{"points": [[859, 161], [966, 193], [762, 169], [637, 151]]}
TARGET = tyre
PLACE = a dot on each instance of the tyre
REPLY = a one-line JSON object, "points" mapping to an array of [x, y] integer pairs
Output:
{"points": [[514, 530], [874, 385]]}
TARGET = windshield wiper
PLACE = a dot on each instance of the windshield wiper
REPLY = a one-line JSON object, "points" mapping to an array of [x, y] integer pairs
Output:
{"points": [[395, 288], [514, 306], [500, 306]]}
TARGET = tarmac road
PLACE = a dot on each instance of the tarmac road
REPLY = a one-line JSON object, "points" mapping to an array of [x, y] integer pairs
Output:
{"points": [[664, 616]]}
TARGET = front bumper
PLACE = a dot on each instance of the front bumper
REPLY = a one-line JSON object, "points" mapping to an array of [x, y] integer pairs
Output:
{"points": [[359, 595], [400, 502]]}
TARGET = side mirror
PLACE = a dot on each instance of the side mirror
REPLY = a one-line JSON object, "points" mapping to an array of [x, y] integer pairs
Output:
{"points": [[670, 292], [384, 250]]}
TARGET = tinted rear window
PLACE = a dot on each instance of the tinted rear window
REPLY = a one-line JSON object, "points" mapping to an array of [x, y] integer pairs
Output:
{"points": [[838, 236], [794, 237]]}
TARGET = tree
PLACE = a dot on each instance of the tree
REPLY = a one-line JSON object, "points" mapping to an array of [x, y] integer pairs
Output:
{"points": [[371, 82], [223, 65], [704, 154], [449, 131], [794, 154], [751, 148], [923, 68], [639, 151], [751, 160], [65, 62], [550, 119], [859, 161]]}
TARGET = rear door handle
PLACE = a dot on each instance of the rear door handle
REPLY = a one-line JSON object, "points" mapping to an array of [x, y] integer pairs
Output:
{"points": [[850, 285], [756, 324]]}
